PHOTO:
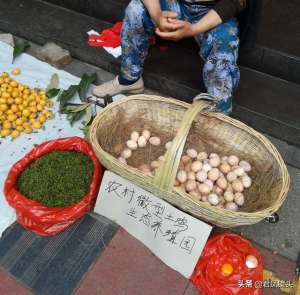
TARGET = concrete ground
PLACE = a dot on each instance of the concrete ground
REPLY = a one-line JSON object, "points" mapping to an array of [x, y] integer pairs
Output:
{"points": [[277, 240]]}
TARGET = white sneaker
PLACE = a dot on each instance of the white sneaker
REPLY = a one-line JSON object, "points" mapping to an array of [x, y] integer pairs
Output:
{"points": [[113, 87]]}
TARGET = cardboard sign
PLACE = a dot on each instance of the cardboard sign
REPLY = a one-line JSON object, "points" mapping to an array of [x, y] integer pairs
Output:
{"points": [[174, 236]]}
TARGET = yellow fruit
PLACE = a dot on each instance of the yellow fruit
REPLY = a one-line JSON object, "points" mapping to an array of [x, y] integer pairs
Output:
{"points": [[26, 91], [18, 100], [4, 132], [25, 103], [32, 115], [19, 114], [42, 92], [3, 107], [32, 120], [10, 100], [42, 118], [11, 118], [15, 94], [9, 112], [26, 113], [43, 102], [33, 109], [13, 84], [26, 125], [32, 97], [39, 107], [19, 122], [5, 95], [28, 130], [21, 107], [4, 75], [2, 100], [7, 80], [21, 88], [19, 128], [49, 104], [14, 108], [32, 103], [6, 125], [15, 134], [16, 71], [36, 125]]}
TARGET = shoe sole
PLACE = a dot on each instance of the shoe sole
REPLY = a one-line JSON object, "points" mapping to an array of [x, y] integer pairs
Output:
{"points": [[129, 91]]}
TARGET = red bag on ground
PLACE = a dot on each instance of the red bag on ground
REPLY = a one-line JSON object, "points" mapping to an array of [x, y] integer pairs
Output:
{"points": [[228, 248], [38, 218]]}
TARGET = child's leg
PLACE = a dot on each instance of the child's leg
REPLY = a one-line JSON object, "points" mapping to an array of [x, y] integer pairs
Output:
{"points": [[136, 31], [219, 49]]}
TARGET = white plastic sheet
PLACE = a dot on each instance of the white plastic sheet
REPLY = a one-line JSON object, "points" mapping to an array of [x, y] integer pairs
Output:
{"points": [[34, 74]]}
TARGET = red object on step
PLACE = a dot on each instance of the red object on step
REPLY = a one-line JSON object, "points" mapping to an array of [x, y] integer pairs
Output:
{"points": [[231, 249], [108, 38], [111, 37], [33, 215]]}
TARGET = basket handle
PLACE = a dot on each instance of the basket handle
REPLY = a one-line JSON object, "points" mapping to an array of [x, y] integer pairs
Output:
{"points": [[165, 176]]}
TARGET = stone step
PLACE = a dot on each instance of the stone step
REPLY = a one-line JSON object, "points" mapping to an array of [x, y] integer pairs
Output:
{"points": [[280, 59], [269, 104]]}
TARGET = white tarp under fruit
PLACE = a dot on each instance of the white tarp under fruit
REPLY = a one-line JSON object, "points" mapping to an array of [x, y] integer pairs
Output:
{"points": [[35, 73]]}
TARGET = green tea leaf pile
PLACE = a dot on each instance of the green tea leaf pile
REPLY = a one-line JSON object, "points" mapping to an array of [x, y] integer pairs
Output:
{"points": [[58, 179]]}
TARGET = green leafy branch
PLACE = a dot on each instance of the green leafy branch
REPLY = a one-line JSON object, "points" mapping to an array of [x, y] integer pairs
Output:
{"points": [[74, 111], [19, 48]]}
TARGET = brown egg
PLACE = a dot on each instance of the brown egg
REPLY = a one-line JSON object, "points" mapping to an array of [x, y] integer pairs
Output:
{"points": [[122, 160], [213, 174], [233, 160], [154, 164], [214, 161], [206, 167], [222, 183], [213, 199], [131, 144], [191, 176], [209, 183], [213, 155], [195, 195], [204, 189], [185, 159], [146, 134], [202, 156], [191, 185], [228, 196], [246, 181], [168, 145], [231, 206], [142, 142], [225, 168], [126, 154], [245, 165], [182, 176], [239, 199], [201, 176], [154, 141], [192, 153], [204, 199], [237, 186], [229, 188], [134, 136], [231, 176], [188, 167], [196, 166]]}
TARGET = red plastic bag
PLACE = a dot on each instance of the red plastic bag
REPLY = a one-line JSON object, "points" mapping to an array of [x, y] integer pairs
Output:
{"points": [[109, 37], [219, 250], [38, 218]]}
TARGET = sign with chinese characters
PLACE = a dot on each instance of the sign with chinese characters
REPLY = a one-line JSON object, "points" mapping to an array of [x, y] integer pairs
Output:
{"points": [[174, 236]]}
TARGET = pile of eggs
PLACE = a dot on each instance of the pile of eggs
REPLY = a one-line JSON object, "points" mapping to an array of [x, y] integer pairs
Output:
{"points": [[210, 178], [218, 181]]}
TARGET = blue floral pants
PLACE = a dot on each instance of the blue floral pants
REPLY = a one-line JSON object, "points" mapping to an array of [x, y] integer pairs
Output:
{"points": [[218, 47]]}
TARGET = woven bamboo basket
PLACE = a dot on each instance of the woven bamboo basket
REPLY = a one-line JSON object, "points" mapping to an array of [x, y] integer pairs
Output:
{"points": [[190, 126]]}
